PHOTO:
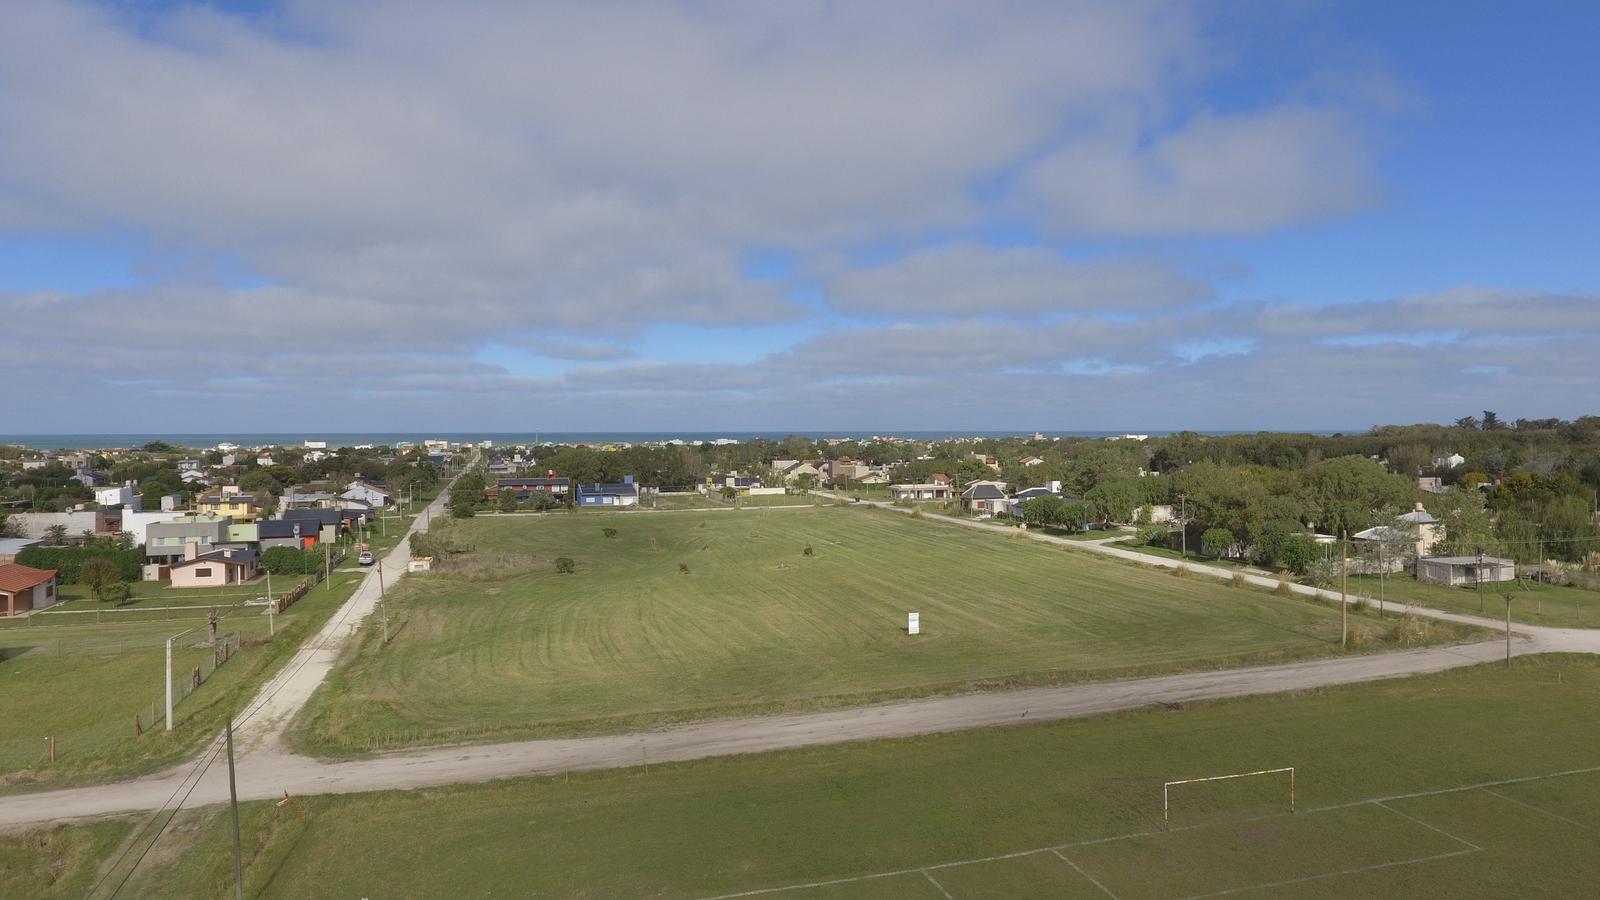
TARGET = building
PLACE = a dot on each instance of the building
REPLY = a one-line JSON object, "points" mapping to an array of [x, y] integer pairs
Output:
{"points": [[1448, 461], [918, 492], [126, 495], [219, 568], [624, 494], [1431, 484], [10, 547], [366, 492], [323, 523], [297, 533], [524, 488], [1032, 460], [167, 542], [1422, 524], [985, 498], [24, 589], [294, 499], [1465, 571], [233, 503]]}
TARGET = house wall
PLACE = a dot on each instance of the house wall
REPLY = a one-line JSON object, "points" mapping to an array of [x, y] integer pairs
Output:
{"points": [[217, 575], [36, 524], [39, 596]]}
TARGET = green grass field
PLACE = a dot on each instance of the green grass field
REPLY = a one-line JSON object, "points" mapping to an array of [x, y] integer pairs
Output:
{"points": [[1535, 603], [84, 684], [1404, 789], [506, 647]]}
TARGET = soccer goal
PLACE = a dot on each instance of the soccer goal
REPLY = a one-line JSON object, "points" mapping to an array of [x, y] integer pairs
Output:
{"points": [[1263, 774]]}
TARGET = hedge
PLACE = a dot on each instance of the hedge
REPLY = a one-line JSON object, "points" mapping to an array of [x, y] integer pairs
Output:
{"points": [[67, 561]]}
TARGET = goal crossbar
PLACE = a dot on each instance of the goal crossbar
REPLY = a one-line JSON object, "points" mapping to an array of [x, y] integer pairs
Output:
{"points": [[1166, 789]]}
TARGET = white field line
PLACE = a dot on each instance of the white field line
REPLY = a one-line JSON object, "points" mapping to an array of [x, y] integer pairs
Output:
{"points": [[1079, 869], [1462, 841], [1372, 868], [935, 882], [1538, 809], [1058, 848]]}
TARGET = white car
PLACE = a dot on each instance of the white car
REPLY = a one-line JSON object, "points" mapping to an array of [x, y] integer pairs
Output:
{"points": [[366, 558]]}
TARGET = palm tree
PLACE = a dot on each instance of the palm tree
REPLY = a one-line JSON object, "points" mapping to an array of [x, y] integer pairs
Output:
{"points": [[56, 535]]}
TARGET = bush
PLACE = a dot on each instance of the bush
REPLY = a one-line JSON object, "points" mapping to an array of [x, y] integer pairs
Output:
{"points": [[807, 551], [1216, 541], [101, 576], [68, 561], [292, 561], [1283, 589], [508, 501], [683, 568], [1238, 580], [565, 565], [463, 505], [609, 533]]}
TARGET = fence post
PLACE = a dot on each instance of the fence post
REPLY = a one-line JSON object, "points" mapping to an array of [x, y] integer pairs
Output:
{"points": [[52, 748]]}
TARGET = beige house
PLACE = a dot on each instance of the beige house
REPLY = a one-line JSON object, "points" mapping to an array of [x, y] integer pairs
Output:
{"points": [[218, 568], [919, 492]]}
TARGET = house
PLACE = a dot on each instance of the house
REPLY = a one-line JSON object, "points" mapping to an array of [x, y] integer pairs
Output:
{"points": [[136, 524], [166, 542], [802, 468], [985, 498], [624, 494], [1032, 460], [987, 459], [780, 466], [193, 476], [327, 522], [294, 499], [933, 491], [1465, 571], [1426, 529], [24, 589], [218, 568], [298, 533], [366, 492], [1431, 484], [524, 488], [939, 478], [126, 495], [1448, 461], [231, 502], [10, 547]]}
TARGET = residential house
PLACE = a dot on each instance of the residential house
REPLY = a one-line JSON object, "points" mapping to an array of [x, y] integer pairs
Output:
{"points": [[1431, 484], [1448, 461], [136, 524], [1465, 571], [327, 521], [365, 491], [166, 542], [125, 495], [985, 498], [624, 494], [918, 492], [24, 589], [1032, 460], [218, 568], [10, 547], [298, 533], [987, 459], [193, 476], [525, 488], [302, 499], [233, 503], [1427, 529]]}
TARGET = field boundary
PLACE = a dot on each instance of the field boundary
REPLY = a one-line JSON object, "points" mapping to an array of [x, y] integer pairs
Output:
{"points": [[1059, 849]]}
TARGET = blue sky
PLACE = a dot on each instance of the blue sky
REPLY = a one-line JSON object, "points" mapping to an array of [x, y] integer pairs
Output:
{"points": [[398, 215]]}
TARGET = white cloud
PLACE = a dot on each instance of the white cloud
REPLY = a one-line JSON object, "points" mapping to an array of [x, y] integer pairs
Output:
{"points": [[967, 278]]}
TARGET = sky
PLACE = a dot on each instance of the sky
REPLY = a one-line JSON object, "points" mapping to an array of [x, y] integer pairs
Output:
{"points": [[618, 216]]}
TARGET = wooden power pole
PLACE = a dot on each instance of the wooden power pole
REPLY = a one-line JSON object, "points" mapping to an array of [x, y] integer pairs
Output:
{"points": [[1344, 582]]}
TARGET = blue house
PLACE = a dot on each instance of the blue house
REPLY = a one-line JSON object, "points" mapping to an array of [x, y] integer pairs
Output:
{"points": [[624, 494]]}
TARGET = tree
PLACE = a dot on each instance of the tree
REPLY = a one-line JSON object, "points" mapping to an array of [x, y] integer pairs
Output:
{"points": [[463, 505], [1491, 421], [56, 535], [508, 501], [1297, 553], [1216, 541], [1469, 423], [100, 575], [1046, 510]]}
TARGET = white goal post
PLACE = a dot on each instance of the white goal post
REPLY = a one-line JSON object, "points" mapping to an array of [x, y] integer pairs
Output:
{"points": [[1166, 789]]}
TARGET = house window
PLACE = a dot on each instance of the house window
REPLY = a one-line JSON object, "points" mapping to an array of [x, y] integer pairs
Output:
{"points": [[202, 573], [50, 589]]}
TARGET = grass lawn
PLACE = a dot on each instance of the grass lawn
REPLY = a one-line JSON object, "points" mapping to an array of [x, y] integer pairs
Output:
{"points": [[1535, 603], [1093, 534], [502, 646], [85, 683], [695, 500], [1089, 789], [1194, 556]]}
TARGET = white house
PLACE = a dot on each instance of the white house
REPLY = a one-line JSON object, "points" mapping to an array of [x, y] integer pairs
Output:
{"points": [[370, 494], [1449, 461], [125, 495]]}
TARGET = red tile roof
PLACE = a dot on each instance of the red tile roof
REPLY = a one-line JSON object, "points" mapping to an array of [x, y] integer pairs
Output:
{"points": [[14, 577]]}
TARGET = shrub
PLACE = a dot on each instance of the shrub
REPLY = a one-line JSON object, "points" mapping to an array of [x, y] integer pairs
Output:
{"points": [[807, 551], [916, 512], [683, 568], [1180, 572], [100, 575], [1283, 589], [1238, 580], [508, 501], [68, 561], [1360, 606], [565, 565], [609, 532], [294, 561]]}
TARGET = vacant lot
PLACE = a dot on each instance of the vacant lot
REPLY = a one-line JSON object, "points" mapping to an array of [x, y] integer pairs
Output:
{"points": [[85, 684], [1062, 803], [682, 616], [1534, 603]]}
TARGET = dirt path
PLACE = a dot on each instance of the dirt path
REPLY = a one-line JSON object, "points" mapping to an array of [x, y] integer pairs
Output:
{"points": [[268, 769]]}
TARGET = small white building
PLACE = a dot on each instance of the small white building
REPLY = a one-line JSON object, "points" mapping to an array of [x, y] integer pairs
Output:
{"points": [[1465, 571], [126, 494], [1448, 461]]}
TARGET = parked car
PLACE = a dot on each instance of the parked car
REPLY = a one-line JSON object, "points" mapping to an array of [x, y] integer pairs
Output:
{"points": [[366, 558]]}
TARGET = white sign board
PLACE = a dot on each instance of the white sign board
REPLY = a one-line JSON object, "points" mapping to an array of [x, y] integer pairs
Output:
{"points": [[913, 623]]}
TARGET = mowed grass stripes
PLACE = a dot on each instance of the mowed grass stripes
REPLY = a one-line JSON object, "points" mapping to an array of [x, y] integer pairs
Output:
{"points": [[499, 645]]}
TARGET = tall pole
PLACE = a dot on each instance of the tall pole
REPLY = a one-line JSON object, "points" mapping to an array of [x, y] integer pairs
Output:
{"points": [[1381, 569], [1480, 581], [169, 684], [233, 802], [1344, 582]]}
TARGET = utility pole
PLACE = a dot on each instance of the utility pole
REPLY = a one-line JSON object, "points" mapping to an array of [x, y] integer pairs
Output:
{"points": [[1480, 581], [233, 802], [1344, 582], [169, 684]]}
